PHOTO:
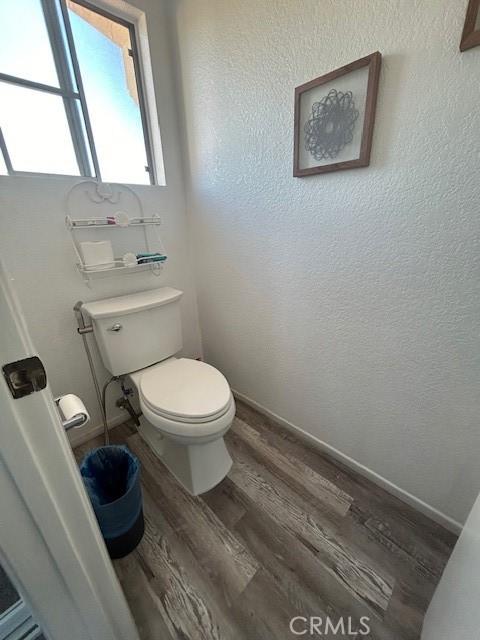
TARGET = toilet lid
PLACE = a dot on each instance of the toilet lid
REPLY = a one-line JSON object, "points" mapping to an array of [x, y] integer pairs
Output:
{"points": [[185, 389]]}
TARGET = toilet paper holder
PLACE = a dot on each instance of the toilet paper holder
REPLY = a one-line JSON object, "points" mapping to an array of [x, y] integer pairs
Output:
{"points": [[77, 415]]}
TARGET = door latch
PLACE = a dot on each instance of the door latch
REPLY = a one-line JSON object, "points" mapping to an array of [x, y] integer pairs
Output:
{"points": [[25, 376]]}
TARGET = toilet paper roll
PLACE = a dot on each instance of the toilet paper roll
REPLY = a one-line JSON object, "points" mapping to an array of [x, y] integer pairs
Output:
{"points": [[70, 406]]}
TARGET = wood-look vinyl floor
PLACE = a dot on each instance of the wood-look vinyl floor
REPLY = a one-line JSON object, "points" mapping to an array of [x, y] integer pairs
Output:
{"points": [[290, 532]]}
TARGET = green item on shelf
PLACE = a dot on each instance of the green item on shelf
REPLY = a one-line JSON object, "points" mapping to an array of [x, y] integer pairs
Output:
{"points": [[144, 258]]}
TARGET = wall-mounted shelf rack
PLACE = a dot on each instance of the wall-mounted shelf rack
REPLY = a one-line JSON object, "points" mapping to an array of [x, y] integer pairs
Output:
{"points": [[115, 201]]}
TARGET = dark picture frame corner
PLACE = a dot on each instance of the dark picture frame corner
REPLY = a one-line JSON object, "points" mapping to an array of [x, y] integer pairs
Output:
{"points": [[471, 28]]}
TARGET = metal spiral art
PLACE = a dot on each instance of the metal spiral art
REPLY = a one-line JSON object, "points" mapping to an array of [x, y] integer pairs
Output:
{"points": [[331, 125]]}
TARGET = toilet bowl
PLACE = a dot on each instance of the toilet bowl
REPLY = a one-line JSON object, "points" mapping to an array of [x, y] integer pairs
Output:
{"points": [[187, 405]]}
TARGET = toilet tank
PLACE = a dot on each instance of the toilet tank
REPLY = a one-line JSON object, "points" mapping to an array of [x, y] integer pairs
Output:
{"points": [[138, 330]]}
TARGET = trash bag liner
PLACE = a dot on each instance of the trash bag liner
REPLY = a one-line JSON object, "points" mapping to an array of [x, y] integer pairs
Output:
{"points": [[111, 476]]}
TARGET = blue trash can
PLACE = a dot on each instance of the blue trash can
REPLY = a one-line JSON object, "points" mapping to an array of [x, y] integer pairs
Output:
{"points": [[111, 476]]}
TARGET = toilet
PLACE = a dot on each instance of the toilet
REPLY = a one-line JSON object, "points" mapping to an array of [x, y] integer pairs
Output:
{"points": [[187, 405]]}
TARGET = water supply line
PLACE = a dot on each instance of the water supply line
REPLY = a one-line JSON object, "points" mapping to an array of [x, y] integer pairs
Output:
{"points": [[83, 329], [125, 404]]}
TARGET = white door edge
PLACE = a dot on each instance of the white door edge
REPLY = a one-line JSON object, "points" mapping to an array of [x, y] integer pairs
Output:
{"points": [[49, 539]]}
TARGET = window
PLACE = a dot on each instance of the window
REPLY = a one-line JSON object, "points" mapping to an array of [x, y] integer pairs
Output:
{"points": [[71, 100]]}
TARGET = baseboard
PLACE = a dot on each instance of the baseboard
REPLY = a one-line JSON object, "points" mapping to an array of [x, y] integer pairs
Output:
{"points": [[398, 492], [84, 434]]}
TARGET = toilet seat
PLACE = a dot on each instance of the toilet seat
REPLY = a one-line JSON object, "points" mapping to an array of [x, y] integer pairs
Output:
{"points": [[184, 391]]}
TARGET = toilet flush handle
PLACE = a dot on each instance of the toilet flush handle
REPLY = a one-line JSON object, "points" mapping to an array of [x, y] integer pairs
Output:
{"points": [[115, 327]]}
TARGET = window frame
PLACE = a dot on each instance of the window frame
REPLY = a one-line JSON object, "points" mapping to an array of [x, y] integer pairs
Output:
{"points": [[64, 52]]}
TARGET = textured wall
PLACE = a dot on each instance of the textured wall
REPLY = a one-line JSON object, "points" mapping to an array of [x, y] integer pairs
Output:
{"points": [[37, 251], [347, 303]]}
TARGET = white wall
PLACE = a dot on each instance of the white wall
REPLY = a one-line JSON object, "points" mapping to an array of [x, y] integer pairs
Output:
{"points": [[347, 303], [37, 250]]}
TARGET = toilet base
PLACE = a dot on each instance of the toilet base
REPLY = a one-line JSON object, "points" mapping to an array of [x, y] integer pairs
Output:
{"points": [[197, 467]]}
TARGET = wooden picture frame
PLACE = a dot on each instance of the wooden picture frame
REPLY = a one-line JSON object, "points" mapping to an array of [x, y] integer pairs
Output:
{"points": [[471, 29], [339, 127]]}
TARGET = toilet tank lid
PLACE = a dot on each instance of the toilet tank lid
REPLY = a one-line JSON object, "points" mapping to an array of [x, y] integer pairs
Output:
{"points": [[123, 305]]}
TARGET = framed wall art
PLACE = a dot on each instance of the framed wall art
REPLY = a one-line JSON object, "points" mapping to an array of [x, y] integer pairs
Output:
{"points": [[471, 29], [334, 118]]}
